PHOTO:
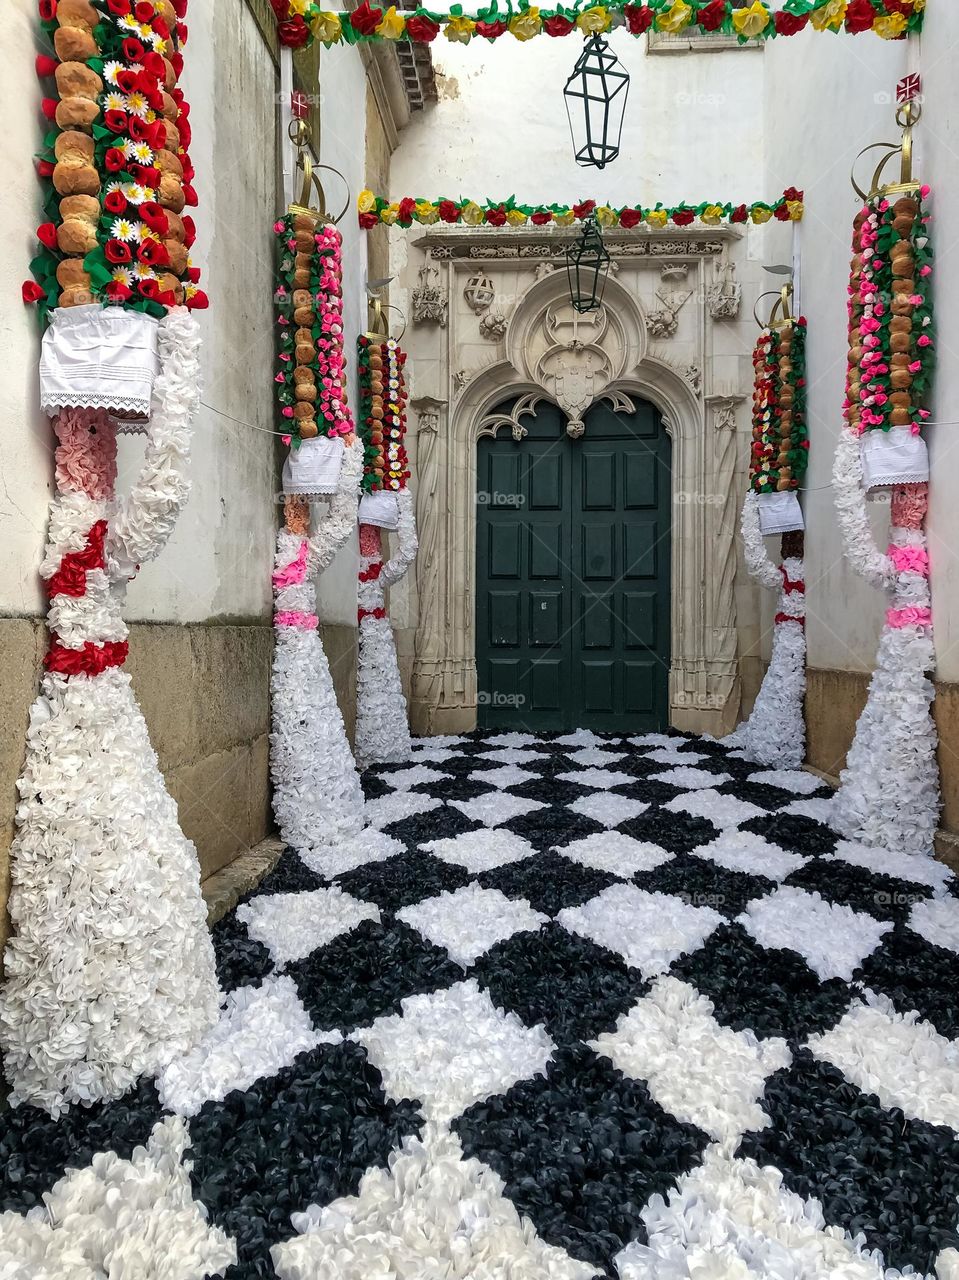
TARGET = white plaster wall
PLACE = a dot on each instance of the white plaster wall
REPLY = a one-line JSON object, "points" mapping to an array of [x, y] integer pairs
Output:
{"points": [[692, 128]]}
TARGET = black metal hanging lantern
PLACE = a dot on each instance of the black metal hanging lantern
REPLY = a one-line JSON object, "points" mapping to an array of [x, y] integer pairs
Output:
{"points": [[595, 103], [587, 266]]}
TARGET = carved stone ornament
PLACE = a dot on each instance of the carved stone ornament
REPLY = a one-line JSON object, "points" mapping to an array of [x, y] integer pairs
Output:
{"points": [[429, 298], [724, 296], [479, 292], [524, 407], [663, 321], [493, 325], [724, 411]]}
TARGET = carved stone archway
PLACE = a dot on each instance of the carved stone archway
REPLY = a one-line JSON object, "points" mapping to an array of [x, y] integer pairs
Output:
{"points": [[543, 351]]}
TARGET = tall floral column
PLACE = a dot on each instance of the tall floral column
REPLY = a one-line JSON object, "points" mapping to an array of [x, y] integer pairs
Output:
{"points": [[317, 798], [775, 732], [889, 790], [382, 723], [109, 972]]}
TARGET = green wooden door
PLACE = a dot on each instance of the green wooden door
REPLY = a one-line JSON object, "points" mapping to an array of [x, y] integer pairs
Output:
{"points": [[572, 607]]}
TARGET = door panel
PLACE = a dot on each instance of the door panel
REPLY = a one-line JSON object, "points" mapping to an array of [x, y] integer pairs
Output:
{"points": [[573, 574]]}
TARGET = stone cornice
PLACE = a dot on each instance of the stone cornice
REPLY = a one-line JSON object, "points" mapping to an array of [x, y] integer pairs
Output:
{"points": [[518, 243]]}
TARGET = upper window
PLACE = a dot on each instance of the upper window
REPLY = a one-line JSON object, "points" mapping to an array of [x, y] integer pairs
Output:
{"points": [[698, 41]]}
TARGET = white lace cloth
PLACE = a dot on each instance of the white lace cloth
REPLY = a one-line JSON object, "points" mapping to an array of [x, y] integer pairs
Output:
{"points": [[96, 357]]}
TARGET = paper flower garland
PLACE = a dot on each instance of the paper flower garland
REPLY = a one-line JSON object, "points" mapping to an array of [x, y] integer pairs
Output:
{"points": [[780, 446], [309, 301], [382, 415], [303, 21], [374, 209], [889, 790], [109, 970], [116, 161]]}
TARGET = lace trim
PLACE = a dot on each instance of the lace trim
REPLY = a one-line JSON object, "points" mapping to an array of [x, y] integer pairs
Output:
{"points": [[905, 475], [53, 401]]}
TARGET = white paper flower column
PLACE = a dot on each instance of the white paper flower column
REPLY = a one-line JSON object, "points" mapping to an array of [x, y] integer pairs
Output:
{"points": [[775, 732], [889, 790], [109, 970], [317, 798], [382, 724]]}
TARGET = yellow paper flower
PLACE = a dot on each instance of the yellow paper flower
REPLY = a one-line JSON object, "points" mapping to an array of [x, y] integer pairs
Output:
{"points": [[760, 213], [594, 21], [365, 200], [889, 26], [426, 212], [712, 215], [657, 217], [326, 27], [796, 210], [515, 217], [392, 24], [564, 218], [526, 25], [389, 214], [676, 17], [299, 6], [605, 216], [460, 29], [830, 16], [752, 21], [472, 214]]}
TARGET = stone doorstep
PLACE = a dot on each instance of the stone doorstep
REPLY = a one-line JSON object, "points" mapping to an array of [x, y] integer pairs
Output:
{"points": [[224, 888]]}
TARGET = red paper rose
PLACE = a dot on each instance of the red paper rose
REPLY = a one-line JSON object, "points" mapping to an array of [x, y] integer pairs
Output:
{"points": [[630, 218], [116, 121], [144, 12], [138, 129], [133, 50], [490, 29], [117, 291], [860, 16], [193, 275], [45, 168], [449, 211], [557, 25], [294, 33], [46, 66], [190, 227], [792, 193], [190, 196], [368, 220], [407, 208], [48, 10], [422, 29], [496, 217], [541, 217], [126, 80], [47, 234], [281, 8], [114, 160], [585, 209], [31, 291], [365, 20], [199, 301], [638, 19], [154, 65], [115, 202], [149, 288], [789, 24], [711, 18], [781, 212], [49, 108], [739, 214], [118, 252], [683, 217], [153, 253]]}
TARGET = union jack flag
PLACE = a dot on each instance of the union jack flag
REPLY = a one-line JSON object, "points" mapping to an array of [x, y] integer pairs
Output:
{"points": [[909, 88]]}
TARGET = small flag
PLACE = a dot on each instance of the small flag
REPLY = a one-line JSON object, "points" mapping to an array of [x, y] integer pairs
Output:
{"points": [[300, 104], [909, 88]]}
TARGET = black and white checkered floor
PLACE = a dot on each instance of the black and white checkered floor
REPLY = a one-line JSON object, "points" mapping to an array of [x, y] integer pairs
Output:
{"points": [[577, 1006]]}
